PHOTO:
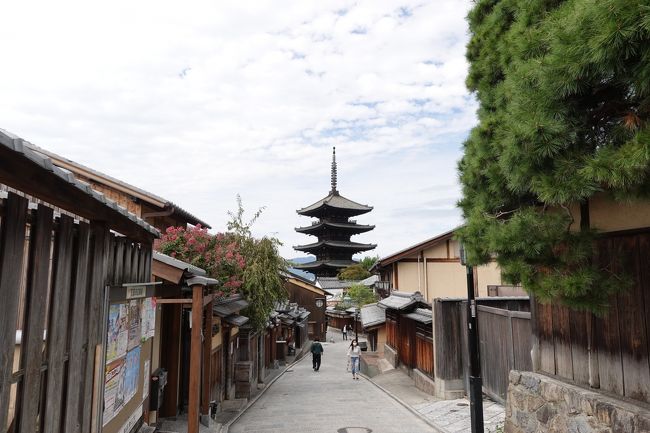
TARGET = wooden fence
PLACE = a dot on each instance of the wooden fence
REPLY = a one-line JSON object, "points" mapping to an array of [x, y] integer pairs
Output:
{"points": [[53, 275], [504, 336], [610, 352], [505, 343]]}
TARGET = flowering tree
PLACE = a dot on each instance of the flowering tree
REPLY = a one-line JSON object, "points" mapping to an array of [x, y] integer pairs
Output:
{"points": [[242, 264], [218, 254]]}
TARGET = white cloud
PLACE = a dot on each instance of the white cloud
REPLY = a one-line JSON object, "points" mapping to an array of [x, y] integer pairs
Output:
{"points": [[199, 101]]}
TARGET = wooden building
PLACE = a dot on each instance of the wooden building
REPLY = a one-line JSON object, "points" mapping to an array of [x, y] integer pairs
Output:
{"points": [[334, 249], [312, 298], [155, 210], [373, 323], [54, 228], [432, 267], [409, 336]]}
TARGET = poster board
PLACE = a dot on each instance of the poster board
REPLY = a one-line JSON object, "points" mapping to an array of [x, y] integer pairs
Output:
{"points": [[131, 325]]}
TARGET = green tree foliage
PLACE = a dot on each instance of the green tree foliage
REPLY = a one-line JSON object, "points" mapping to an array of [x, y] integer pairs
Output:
{"points": [[354, 273], [262, 284], [368, 262], [564, 93], [361, 295], [242, 263]]}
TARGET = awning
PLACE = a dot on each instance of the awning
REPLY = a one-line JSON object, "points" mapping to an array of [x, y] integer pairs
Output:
{"points": [[236, 319], [227, 307], [421, 315]]}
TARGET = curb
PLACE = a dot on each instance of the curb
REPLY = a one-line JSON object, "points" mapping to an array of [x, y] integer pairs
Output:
{"points": [[224, 427], [436, 428]]}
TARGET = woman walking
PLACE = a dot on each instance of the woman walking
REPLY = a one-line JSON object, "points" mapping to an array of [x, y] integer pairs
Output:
{"points": [[353, 353]]}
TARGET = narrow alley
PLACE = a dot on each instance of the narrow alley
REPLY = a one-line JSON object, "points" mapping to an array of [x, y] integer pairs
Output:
{"points": [[329, 400]]}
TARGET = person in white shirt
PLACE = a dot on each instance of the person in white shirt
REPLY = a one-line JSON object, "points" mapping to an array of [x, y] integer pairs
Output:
{"points": [[345, 332], [354, 352]]}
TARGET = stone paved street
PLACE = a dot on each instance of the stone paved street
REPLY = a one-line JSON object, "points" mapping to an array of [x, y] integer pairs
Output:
{"points": [[328, 401]]}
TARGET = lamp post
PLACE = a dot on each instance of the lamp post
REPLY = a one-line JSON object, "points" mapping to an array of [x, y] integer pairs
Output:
{"points": [[475, 381], [356, 319]]}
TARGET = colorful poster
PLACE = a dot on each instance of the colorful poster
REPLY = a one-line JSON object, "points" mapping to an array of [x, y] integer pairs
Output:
{"points": [[117, 332], [114, 389], [132, 373], [148, 318], [134, 324]]}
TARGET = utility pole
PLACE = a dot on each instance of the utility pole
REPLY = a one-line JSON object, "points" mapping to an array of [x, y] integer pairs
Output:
{"points": [[475, 381]]}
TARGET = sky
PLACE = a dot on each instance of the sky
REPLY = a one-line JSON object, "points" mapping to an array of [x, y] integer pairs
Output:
{"points": [[200, 101]]}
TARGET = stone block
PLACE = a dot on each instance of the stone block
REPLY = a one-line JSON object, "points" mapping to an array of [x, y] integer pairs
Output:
{"points": [[514, 377], [530, 382], [551, 391], [545, 413]]}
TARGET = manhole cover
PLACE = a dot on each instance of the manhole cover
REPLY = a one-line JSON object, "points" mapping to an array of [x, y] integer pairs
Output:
{"points": [[354, 430]]}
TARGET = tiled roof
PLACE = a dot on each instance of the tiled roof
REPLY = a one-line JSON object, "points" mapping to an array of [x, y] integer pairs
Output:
{"points": [[317, 264], [336, 244], [348, 226], [26, 149], [178, 264], [409, 251], [228, 306], [421, 315], [337, 201], [400, 300], [145, 195], [372, 315], [334, 283]]}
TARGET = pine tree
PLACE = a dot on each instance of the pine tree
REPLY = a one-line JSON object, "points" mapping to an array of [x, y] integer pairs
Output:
{"points": [[564, 93]]}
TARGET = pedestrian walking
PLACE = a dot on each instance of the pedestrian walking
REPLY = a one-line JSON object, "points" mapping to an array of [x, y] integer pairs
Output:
{"points": [[353, 353], [345, 332], [316, 352]]}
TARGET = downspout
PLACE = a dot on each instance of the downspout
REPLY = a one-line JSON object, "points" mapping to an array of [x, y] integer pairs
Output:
{"points": [[419, 277]]}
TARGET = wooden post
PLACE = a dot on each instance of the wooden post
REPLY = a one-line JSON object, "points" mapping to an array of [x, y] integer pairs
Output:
{"points": [[195, 360], [207, 351]]}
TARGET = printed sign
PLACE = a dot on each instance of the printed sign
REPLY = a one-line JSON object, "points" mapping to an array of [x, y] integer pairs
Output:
{"points": [[135, 327], [148, 318], [132, 373], [117, 340], [114, 397], [145, 383], [136, 292]]}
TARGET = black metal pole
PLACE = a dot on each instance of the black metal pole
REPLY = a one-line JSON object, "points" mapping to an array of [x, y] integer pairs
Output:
{"points": [[475, 381], [356, 319]]}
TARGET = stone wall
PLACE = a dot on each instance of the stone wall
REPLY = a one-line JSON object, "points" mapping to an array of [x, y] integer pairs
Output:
{"points": [[390, 355], [537, 403], [423, 382]]}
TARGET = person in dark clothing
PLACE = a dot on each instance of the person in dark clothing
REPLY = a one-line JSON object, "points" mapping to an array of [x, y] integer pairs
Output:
{"points": [[316, 352]]}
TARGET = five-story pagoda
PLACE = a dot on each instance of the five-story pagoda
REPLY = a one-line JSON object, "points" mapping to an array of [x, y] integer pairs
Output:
{"points": [[334, 250]]}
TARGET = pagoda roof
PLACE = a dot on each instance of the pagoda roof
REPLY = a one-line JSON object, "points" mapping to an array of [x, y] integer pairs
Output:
{"points": [[349, 226], [335, 244], [335, 201], [325, 264]]}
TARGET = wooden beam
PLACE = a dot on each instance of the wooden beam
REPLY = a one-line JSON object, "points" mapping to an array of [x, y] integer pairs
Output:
{"points": [[208, 299], [195, 360], [207, 350], [174, 301], [166, 272]]}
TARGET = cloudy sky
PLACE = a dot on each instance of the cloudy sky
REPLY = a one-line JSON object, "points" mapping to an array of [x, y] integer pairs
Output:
{"points": [[200, 101]]}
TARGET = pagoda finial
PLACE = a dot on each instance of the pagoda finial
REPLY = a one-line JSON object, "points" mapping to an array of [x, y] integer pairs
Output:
{"points": [[334, 191]]}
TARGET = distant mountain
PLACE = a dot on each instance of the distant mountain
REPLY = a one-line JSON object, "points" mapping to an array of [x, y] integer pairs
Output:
{"points": [[300, 260]]}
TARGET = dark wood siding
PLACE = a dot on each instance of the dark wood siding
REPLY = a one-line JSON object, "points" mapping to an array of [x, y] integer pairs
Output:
{"points": [[620, 345]]}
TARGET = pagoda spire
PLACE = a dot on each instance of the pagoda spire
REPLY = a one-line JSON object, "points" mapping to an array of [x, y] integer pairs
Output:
{"points": [[334, 191]]}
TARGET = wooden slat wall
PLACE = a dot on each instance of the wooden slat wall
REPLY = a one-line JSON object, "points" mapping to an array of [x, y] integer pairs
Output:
{"points": [[36, 295], [505, 344], [58, 327], [424, 354], [68, 269], [621, 336], [12, 242], [449, 356]]}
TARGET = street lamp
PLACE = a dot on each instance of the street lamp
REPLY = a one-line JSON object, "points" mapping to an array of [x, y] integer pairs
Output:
{"points": [[356, 319], [475, 381]]}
